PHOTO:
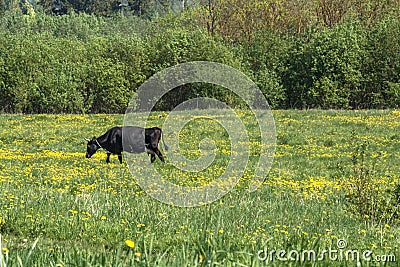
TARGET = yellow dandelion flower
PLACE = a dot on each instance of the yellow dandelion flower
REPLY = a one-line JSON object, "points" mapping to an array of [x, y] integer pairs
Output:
{"points": [[5, 250], [137, 254], [220, 231], [130, 243]]}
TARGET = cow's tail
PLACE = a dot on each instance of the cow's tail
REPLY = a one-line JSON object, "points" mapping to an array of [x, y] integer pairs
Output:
{"points": [[162, 137]]}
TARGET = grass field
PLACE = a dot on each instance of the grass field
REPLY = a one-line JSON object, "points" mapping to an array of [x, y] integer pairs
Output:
{"points": [[333, 180]]}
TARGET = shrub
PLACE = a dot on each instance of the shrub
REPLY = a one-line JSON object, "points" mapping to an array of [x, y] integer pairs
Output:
{"points": [[364, 196], [325, 72], [382, 66], [265, 58]]}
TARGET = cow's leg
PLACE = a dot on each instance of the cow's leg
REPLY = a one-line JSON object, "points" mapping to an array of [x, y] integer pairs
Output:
{"points": [[120, 158], [154, 148], [158, 153], [152, 158], [108, 157]]}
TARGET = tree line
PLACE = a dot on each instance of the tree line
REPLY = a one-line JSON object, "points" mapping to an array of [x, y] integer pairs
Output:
{"points": [[302, 54], [142, 8]]}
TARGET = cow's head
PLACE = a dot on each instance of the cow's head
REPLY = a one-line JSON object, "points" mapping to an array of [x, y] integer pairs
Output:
{"points": [[92, 147]]}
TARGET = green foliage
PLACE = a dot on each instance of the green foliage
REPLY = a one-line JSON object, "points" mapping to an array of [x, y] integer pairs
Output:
{"points": [[382, 65], [265, 57], [39, 77], [2, 7], [87, 63], [392, 94], [167, 47], [327, 68]]}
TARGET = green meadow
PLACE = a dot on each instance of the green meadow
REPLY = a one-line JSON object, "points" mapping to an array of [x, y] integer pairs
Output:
{"points": [[333, 187]]}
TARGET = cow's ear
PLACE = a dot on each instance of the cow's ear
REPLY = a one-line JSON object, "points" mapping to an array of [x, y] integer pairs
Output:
{"points": [[94, 138]]}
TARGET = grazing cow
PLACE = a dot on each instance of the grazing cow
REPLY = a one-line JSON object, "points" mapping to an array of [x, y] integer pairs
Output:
{"points": [[136, 140]]}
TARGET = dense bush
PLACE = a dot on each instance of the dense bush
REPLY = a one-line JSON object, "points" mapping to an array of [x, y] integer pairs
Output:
{"points": [[168, 47], [325, 71], [381, 68], [83, 63], [266, 57]]}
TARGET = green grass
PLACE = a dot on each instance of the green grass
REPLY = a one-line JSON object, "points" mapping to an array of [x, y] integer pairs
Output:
{"points": [[59, 208]]}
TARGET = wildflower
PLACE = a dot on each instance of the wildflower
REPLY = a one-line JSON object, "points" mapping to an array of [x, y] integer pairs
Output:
{"points": [[5, 250], [220, 231], [284, 232], [137, 254], [73, 211], [130, 243], [103, 218]]}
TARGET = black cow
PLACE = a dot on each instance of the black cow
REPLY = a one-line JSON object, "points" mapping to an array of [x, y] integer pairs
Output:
{"points": [[136, 140]]}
